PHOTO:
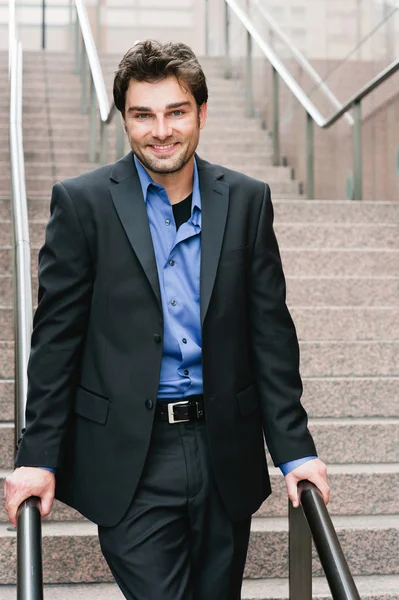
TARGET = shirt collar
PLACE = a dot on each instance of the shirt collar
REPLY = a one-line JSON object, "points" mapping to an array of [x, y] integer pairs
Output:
{"points": [[146, 181]]}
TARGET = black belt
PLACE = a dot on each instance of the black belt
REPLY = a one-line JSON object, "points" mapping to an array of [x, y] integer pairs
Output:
{"points": [[180, 410]]}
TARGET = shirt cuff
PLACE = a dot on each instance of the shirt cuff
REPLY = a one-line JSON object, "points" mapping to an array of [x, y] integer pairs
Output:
{"points": [[289, 466], [47, 469]]}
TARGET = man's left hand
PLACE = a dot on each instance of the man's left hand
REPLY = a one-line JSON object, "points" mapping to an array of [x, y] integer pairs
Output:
{"points": [[313, 470]]}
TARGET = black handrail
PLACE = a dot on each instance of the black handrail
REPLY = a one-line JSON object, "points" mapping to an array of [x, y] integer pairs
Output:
{"points": [[29, 551], [320, 527], [29, 555]]}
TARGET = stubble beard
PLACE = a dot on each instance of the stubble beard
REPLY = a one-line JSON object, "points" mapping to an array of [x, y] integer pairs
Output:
{"points": [[165, 166]]}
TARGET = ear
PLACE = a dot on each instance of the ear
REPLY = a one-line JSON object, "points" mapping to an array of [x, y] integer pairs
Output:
{"points": [[203, 113], [123, 123]]}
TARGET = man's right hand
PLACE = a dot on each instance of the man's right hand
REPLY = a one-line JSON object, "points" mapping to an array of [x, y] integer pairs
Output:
{"points": [[25, 482]]}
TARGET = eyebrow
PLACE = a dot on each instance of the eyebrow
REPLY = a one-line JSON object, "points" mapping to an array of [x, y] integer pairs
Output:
{"points": [[173, 105]]}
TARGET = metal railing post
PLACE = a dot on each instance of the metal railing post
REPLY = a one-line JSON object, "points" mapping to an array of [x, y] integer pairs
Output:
{"points": [[43, 24], [249, 96], [93, 122], [83, 79], [103, 143], [357, 152], [120, 140], [310, 156], [29, 551], [300, 556], [227, 71], [206, 28], [276, 119], [77, 44]]}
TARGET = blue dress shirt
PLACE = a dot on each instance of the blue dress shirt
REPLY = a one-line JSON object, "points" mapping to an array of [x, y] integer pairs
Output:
{"points": [[178, 257]]}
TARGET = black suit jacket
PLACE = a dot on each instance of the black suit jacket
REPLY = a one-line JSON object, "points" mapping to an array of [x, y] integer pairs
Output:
{"points": [[96, 351]]}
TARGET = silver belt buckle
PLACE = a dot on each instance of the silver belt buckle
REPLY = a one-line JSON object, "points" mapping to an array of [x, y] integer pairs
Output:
{"points": [[171, 416]]}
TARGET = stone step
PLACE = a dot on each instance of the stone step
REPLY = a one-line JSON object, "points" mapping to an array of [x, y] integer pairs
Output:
{"points": [[337, 235], [318, 359], [370, 544], [356, 489], [342, 291], [377, 587], [42, 184], [301, 291], [70, 168], [302, 261], [349, 359], [72, 555], [336, 211], [340, 441], [338, 323], [346, 323], [323, 397]]}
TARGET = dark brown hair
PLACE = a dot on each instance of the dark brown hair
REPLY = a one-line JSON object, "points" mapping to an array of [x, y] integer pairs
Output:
{"points": [[152, 61]]}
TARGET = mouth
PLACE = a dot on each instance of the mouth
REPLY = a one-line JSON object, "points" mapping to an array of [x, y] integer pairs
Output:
{"points": [[163, 148]]}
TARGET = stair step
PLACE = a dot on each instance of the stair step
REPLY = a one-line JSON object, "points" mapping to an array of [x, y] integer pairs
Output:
{"points": [[342, 291], [340, 441], [336, 211], [302, 261], [337, 235], [334, 397], [318, 359], [72, 555], [299, 262], [370, 544], [377, 587], [323, 324], [355, 489]]}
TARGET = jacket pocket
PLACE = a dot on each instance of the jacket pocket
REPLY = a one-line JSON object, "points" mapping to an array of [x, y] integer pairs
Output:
{"points": [[247, 400], [91, 406]]}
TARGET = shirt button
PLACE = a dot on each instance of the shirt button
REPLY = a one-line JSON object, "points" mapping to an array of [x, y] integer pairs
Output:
{"points": [[171, 262], [157, 337], [184, 341], [149, 404], [167, 222], [186, 371], [173, 303]]}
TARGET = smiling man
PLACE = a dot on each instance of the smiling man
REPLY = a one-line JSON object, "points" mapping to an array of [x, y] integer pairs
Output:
{"points": [[163, 351]]}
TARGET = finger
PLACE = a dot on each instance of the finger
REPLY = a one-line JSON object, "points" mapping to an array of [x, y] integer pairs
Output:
{"points": [[323, 487], [46, 504], [292, 490]]}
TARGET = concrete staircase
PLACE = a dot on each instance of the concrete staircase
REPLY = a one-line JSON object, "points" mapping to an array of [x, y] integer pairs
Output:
{"points": [[341, 261]]}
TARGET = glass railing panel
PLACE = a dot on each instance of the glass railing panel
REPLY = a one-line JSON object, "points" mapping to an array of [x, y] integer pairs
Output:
{"points": [[343, 76]]}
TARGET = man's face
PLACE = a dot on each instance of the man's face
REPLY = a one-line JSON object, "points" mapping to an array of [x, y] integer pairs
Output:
{"points": [[163, 123]]}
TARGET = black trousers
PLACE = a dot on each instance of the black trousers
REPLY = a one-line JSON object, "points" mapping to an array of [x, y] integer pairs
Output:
{"points": [[176, 541]]}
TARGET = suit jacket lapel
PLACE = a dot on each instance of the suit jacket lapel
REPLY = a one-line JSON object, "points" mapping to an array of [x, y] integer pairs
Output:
{"points": [[128, 200], [215, 203]]}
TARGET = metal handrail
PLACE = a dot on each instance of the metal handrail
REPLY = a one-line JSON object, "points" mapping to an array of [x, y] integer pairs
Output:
{"points": [[300, 58], [313, 520], [87, 52], [313, 115], [29, 555]]}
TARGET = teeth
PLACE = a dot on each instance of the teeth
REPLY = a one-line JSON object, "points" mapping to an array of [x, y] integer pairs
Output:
{"points": [[163, 147]]}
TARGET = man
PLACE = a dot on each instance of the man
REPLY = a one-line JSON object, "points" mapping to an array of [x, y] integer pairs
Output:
{"points": [[162, 349]]}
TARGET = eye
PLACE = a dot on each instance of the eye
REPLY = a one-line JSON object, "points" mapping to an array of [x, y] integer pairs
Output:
{"points": [[142, 116], [177, 113]]}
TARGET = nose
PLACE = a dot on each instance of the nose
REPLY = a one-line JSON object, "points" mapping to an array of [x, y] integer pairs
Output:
{"points": [[161, 128]]}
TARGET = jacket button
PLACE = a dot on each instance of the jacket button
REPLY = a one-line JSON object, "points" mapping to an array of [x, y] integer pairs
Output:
{"points": [[149, 404], [157, 338]]}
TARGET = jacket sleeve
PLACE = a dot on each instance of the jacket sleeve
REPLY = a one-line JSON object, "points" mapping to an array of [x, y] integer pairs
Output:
{"points": [[275, 348], [59, 330]]}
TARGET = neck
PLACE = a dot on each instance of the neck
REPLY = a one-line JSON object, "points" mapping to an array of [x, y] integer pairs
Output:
{"points": [[178, 185]]}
